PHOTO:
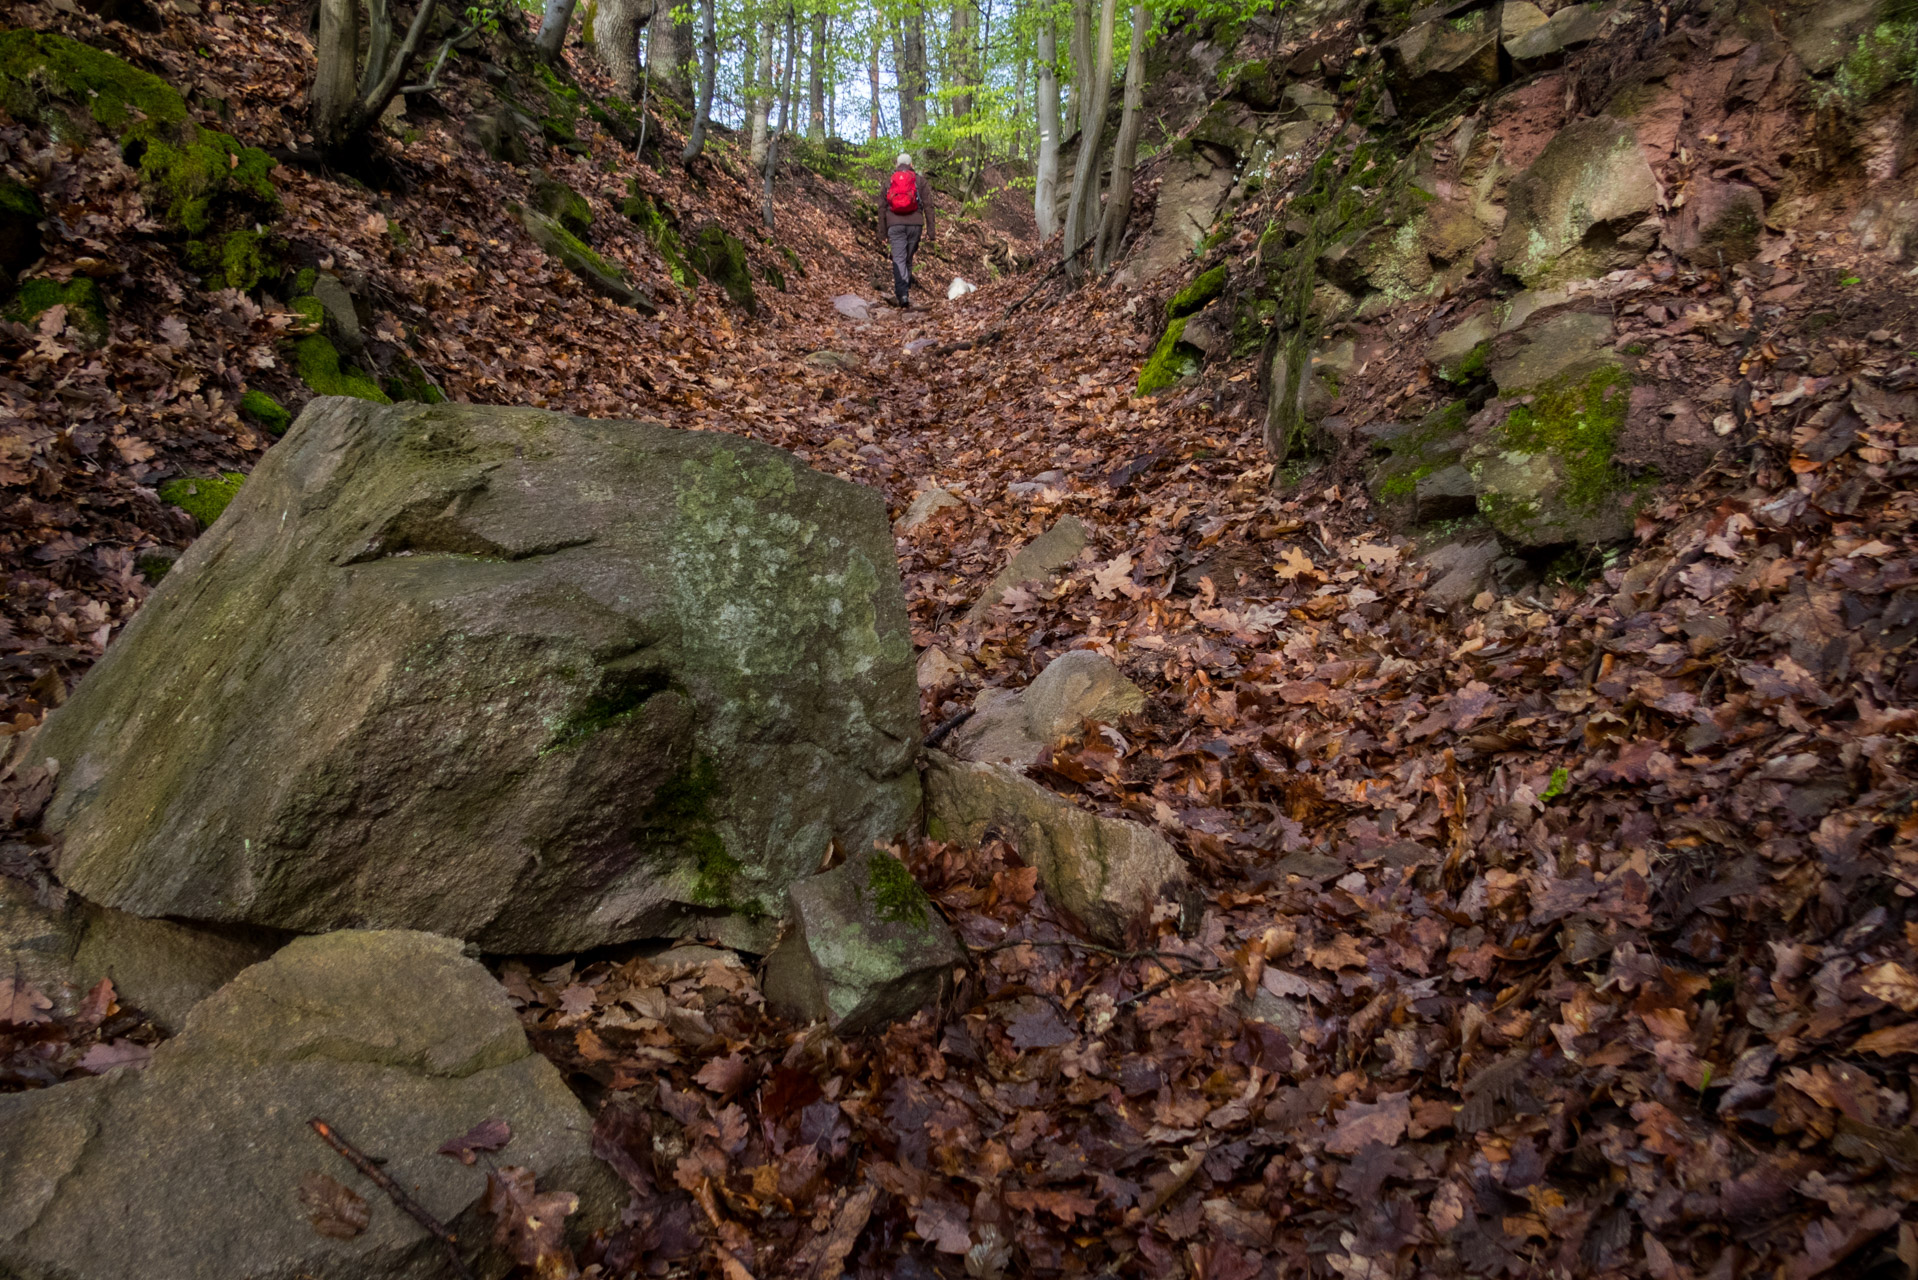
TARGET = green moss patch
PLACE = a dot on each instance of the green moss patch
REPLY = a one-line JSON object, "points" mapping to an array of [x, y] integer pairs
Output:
{"points": [[563, 205], [1883, 56], [203, 498], [1172, 360], [896, 896], [721, 258], [262, 409], [86, 309], [1576, 419], [197, 181], [407, 381], [317, 361], [1196, 295], [657, 226]]}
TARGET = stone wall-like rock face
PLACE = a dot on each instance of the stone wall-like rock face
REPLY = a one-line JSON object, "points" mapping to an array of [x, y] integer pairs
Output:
{"points": [[194, 1165], [528, 680]]}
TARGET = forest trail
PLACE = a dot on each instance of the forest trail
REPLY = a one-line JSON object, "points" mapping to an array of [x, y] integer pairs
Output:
{"points": [[1554, 918]]}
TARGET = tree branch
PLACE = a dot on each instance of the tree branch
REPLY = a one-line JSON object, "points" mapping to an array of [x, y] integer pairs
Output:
{"points": [[368, 109]]}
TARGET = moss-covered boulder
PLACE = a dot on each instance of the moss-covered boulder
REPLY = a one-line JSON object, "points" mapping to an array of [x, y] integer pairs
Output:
{"points": [[1546, 473], [661, 230], [404, 379], [318, 363], [597, 274], [20, 215], [1421, 478], [204, 186], [1172, 361], [202, 497], [563, 205], [86, 310], [265, 412], [1583, 208], [720, 256], [1194, 297], [533, 681], [206, 1154], [866, 947]]}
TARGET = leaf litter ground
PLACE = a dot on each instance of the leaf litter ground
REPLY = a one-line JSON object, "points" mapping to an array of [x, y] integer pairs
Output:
{"points": [[1568, 932]]}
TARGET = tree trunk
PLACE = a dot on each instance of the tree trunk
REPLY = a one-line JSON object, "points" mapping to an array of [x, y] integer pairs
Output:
{"points": [[1125, 151], [1045, 194], [1082, 210], [335, 85], [872, 74], [668, 46], [616, 39], [911, 69], [1081, 66], [760, 93], [961, 75], [552, 29], [785, 111], [708, 73], [816, 117]]}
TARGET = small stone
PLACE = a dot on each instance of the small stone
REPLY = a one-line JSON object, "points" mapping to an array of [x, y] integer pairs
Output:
{"points": [[865, 947], [1017, 726], [1567, 342], [1045, 555], [342, 319], [1104, 873], [1460, 571], [926, 504], [853, 307], [163, 968]]}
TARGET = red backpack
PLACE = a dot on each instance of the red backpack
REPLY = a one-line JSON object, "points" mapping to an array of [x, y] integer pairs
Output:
{"points": [[902, 193]]}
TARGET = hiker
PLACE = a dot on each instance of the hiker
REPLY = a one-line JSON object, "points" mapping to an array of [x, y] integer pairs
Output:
{"points": [[905, 213]]}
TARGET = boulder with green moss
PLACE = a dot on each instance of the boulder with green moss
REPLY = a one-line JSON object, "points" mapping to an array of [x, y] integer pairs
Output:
{"points": [[203, 186], [597, 274], [1172, 361], [1587, 205], [655, 221], [1194, 297], [20, 217], [720, 256], [206, 1154], [86, 310], [1421, 479], [865, 947], [563, 205], [202, 497], [534, 681], [263, 410]]}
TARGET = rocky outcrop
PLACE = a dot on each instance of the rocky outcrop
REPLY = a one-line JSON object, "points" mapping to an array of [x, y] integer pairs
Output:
{"points": [[1104, 873], [597, 274], [720, 256], [865, 947], [194, 1166], [1582, 207], [529, 680]]}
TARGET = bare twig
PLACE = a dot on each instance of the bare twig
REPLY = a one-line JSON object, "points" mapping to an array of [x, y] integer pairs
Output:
{"points": [[1045, 279], [403, 1202], [432, 80], [1157, 987]]}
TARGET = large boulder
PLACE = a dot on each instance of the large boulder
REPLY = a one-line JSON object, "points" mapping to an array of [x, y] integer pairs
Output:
{"points": [[1584, 207], [194, 1166], [534, 681], [1195, 182], [1443, 57]]}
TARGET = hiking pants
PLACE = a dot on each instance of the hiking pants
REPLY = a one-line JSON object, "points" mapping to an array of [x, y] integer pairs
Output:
{"points": [[905, 243]]}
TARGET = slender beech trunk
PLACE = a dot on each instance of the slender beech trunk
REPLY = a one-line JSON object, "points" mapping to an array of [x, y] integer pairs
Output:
{"points": [[669, 45], [961, 75], [1045, 194], [552, 29], [872, 76], [785, 112], [616, 39], [708, 73], [1125, 151], [1083, 209], [760, 97], [1081, 66], [910, 64], [816, 79], [344, 106]]}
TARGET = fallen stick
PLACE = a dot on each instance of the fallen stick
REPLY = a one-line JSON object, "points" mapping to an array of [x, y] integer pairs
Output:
{"points": [[403, 1202], [1045, 279]]}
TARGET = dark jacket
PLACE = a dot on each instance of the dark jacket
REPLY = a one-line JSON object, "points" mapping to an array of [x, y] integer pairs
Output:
{"points": [[888, 219]]}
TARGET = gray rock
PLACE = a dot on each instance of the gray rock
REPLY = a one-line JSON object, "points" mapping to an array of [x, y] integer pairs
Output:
{"points": [[342, 318], [1460, 570], [1516, 17], [1442, 58], [1105, 873], [1045, 555], [163, 968], [192, 1167], [1450, 354], [1194, 185], [865, 947], [500, 134], [1568, 28], [597, 680], [853, 307], [1718, 225], [1577, 211], [1887, 224], [1823, 33], [925, 504], [1416, 484], [832, 360], [1017, 726], [597, 274], [1316, 102], [1569, 342], [37, 943]]}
